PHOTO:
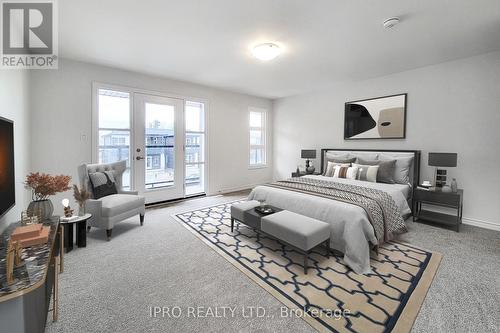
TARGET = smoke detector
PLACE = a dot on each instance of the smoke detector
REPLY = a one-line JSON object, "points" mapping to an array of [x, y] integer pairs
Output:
{"points": [[390, 22]]}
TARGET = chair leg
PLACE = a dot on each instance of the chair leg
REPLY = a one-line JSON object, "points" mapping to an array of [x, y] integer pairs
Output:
{"points": [[232, 224], [88, 228], [327, 245], [108, 234], [141, 217], [306, 256]]}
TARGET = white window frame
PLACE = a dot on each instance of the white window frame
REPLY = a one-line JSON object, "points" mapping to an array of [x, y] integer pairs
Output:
{"points": [[205, 143], [263, 129]]}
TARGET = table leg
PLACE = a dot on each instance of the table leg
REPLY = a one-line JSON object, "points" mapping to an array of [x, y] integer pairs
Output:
{"points": [[55, 295], [61, 250], [68, 237], [81, 234]]}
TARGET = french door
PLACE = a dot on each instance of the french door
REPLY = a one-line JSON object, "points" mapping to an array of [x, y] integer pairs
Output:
{"points": [[158, 155], [162, 139]]}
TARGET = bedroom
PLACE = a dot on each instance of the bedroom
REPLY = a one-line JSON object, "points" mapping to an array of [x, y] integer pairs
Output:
{"points": [[239, 124]]}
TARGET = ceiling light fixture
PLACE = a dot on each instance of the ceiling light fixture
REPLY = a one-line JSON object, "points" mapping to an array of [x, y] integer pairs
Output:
{"points": [[390, 22], [266, 51]]}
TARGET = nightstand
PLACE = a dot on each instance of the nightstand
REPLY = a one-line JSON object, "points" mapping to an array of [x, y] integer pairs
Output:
{"points": [[303, 173], [438, 198]]}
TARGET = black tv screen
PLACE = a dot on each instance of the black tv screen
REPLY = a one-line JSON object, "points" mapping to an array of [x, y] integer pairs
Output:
{"points": [[7, 179]]}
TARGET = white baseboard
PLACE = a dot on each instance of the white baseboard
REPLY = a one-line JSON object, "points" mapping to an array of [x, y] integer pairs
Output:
{"points": [[235, 189], [481, 223]]}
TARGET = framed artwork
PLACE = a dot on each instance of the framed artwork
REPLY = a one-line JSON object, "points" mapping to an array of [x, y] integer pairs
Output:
{"points": [[376, 118]]}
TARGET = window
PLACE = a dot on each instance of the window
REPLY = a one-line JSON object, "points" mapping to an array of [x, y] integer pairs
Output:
{"points": [[114, 129], [195, 148], [257, 134]]}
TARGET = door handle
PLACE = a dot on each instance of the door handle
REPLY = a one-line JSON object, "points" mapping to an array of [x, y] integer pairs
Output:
{"points": [[138, 158]]}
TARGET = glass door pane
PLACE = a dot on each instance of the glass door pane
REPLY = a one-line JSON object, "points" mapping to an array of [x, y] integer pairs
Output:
{"points": [[160, 145], [158, 148], [194, 181], [114, 129]]}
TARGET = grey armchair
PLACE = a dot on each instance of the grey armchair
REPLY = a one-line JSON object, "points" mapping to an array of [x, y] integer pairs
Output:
{"points": [[111, 209]]}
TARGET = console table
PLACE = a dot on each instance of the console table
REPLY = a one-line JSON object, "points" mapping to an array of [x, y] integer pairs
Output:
{"points": [[25, 303]]}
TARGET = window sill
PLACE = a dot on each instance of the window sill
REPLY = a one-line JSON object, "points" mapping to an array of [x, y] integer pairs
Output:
{"points": [[258, 166]]}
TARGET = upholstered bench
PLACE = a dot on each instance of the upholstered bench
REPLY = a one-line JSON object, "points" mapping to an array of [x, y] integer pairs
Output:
{"points": [[238, 210], [297, 230]]}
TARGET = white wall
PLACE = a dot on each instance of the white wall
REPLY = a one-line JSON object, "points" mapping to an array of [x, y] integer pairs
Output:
{"points": [[452, 107], [14, 105], [62, 114]]}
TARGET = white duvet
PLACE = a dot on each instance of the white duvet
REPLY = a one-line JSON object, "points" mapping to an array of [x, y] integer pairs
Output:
{"points": [[351, 231]]}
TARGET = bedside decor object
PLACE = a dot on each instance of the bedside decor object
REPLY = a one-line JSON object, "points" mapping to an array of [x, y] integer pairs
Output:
{"points": [[441, 160], [446, 189], [376, 118], [454, 185], [81, 196], [309, 154], [43, 186]]}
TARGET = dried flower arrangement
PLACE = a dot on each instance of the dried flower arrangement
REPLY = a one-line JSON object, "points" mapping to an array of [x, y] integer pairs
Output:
{"points": [[42, 185], [80, 195]]}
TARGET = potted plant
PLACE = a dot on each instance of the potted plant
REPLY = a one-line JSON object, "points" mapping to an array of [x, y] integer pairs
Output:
{"points": [[81, 196], [43, 186]]}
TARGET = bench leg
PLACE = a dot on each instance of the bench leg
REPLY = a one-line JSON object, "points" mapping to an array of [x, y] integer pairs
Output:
{"points": [[232, 224], [327, 245], [306, 256]]}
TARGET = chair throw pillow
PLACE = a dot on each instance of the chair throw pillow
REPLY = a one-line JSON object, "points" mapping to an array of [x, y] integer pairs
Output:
{"points": [[103, 184]]}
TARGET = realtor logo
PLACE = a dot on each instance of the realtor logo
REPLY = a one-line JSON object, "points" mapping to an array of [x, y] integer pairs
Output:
{"points": [[29, 38]]}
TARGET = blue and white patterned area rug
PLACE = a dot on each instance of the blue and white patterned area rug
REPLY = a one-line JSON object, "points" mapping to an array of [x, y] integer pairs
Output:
{"points": [[333, 297]]}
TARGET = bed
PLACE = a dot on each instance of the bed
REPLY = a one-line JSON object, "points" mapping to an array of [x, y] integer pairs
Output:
{"points": [[352, 231]]}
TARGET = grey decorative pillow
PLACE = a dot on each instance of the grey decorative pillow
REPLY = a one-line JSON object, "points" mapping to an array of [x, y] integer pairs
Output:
{"points": [[385, 171], [402, 169], [103, 184]]}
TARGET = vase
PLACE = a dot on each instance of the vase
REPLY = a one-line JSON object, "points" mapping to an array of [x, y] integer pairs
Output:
{"points": [[81, 210], [45, 208], [454, 185]]}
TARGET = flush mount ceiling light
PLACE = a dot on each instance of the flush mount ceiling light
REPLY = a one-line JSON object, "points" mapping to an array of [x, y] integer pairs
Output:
{"points": [[266, 51], [390, 22]]}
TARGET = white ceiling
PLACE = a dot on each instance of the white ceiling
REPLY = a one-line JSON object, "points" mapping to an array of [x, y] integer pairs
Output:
{"points": [[324, 41]]}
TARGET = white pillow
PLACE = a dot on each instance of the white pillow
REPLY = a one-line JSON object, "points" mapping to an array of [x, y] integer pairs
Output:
{"points": [[345, 172], [367, 172], [331, 168]]}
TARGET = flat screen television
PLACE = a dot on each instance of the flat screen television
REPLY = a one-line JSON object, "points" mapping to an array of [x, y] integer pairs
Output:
{"points": [[7, 179]]}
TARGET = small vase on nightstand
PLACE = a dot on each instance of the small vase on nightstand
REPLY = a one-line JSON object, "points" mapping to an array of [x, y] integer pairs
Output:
{"points": [[454, 186]]}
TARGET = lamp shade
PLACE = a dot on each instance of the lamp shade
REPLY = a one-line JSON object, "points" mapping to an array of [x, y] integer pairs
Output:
{"points": [[308, 153], [443, 160]]}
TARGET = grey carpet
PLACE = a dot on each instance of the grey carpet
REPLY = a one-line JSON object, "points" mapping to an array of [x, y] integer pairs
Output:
{"points": [[109, 286]]}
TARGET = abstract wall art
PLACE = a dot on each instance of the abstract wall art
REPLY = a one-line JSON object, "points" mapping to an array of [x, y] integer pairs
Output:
{"points": [[376, 118]]}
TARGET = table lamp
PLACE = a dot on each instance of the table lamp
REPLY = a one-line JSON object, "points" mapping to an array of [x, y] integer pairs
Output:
{"points": [[308, 154], [441, 160]]}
